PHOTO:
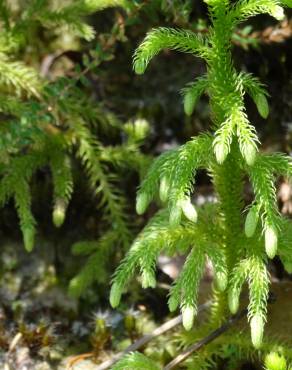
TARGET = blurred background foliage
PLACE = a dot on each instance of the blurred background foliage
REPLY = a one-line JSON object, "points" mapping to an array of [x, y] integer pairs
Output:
{"points": [[67, 91]]}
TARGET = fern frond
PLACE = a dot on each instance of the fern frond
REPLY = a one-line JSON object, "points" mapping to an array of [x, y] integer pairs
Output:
{"points": [[167, 38], [262, 180], [17, 77], [287, 3], [157, 235], [136, 361], [249, 8], [285, 245], [149, 185], [69, 15], [63, 183], [154, 236], [22, 198], [192, 92], [247, 139], [257, 92], [94, 269], [189, 157], [102, 183], [277, 163], [258, 281], [186, 285], [223, 139], [218, 260], [238, 276]]}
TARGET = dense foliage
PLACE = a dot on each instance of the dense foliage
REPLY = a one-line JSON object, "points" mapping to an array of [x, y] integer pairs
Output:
{"points": [[79, 133]]}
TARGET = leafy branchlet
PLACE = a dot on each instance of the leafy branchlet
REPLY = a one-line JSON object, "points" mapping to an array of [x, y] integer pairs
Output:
{"points": [[237, 250]]}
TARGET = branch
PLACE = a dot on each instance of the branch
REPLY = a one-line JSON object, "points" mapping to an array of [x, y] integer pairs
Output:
{"points": [[147, 338], [195, 347]]}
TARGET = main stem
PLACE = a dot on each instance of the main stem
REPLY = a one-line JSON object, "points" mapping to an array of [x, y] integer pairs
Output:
{"points": [[227, 177]]}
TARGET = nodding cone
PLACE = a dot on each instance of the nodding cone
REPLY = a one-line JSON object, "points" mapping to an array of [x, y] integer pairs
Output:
{"points": [[175, 215], [278, 13], [257, 330], [164, 189], [59, 212], [233, 301], [271, 241], [115, 295], [221, 281], [251, 222], [221, 151], [189, 103], [262, 105], [173, 303], [189, 210], [142, 202], [188, 314], [28, 238], [250, 154], [148, 279]]}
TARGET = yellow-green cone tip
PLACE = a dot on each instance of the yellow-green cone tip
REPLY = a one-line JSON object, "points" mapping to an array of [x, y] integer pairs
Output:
{"points": [[141, 203], [262, 105], [188, 314], [221, 152], [142, 128], [163, 189], [189, 210], [115, 295], [172, 303], [233, 302], [251, 222], [221, 281], [257, 330], [250, 154], [274, 361], [271, 241], [28, 238], [189, 104], [278, 13], [59, 213]]}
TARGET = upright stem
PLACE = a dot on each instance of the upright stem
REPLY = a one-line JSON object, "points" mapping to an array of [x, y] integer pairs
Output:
{"points": [[227, 177]]}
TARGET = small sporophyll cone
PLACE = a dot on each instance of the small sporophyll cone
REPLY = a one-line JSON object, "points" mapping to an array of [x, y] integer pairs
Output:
{"points": [[173, 303], [251, 222], [221, 281], [28, 238], [221, 152], [271, 241], [142, 203], [278, 13], [141, 128], [189, 210], [250, 154], [59, 213], [189, 103], [164, 189], [257, 330], [274, 361], [188, 314], [115, 295], [262, 105], [233, 301]]}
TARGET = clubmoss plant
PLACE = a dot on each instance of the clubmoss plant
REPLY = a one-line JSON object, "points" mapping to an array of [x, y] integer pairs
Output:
{"points": [[55, 124], [238, 244]]}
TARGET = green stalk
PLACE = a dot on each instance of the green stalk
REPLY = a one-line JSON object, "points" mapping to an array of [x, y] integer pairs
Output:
{"points": [[227, 177]]}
